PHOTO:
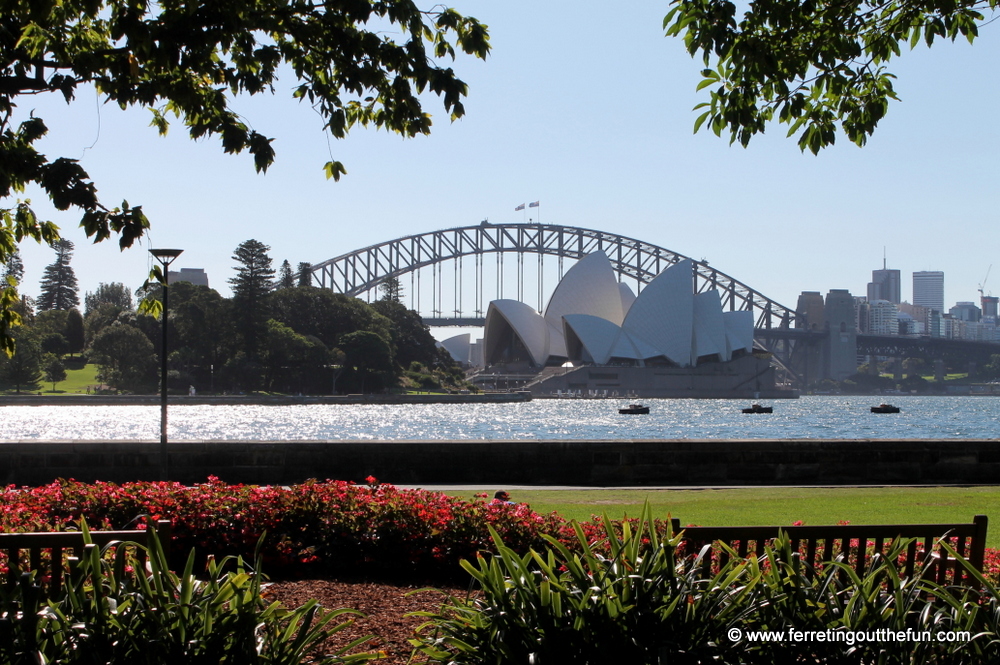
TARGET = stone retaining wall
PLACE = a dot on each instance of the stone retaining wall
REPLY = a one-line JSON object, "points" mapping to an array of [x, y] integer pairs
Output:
{"points": [[593, 463]]}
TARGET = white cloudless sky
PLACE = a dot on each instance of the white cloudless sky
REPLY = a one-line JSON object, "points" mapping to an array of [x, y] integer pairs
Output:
{"points": [[586, 107]]}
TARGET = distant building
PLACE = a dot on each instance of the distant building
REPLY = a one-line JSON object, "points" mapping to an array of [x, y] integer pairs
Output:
{"points": [[990, 306], [196, 276], [883, 318], [966, 311], [908, 326], [928, 289], [884, 286]]}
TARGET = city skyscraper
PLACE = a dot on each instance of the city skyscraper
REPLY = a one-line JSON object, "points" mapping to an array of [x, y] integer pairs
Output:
{"points": [[928, 289], [884, 286]]}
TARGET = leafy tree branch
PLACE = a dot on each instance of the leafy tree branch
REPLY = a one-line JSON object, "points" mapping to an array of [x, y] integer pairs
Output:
{"points": [[817, 66]]}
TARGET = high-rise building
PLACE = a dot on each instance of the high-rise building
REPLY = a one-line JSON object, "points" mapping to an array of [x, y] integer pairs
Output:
{"points": [[966, 311], [883, 318], [990, 306], [884, 286], [928, 289]]}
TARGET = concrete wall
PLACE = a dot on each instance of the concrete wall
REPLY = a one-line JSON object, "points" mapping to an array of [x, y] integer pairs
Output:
{"points": [[595, 463]]}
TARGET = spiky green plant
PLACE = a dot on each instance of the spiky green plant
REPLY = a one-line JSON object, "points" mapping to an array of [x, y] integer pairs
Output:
{"points": [[117, 610]]}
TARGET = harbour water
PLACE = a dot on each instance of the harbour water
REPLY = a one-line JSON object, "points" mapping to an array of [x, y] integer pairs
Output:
{"points": [[810, 417]]}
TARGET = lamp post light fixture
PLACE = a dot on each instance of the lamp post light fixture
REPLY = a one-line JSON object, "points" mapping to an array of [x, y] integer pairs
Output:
{"points": [[165, 257]]}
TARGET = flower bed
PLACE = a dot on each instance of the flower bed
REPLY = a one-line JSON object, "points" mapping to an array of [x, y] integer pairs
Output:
{"points": [[330, 527]]}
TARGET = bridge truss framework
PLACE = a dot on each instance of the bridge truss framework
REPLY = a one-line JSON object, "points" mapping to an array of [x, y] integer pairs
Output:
{"points": [[364, 270]]}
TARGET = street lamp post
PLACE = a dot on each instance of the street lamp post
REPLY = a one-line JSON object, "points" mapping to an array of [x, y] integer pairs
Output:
{"points": [[165, 258]]}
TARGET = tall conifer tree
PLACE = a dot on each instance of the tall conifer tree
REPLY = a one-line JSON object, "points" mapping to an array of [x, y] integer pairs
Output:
{"points": [[14, 268], [59, 287], [305, 273], [252, 283], [286, 280]]}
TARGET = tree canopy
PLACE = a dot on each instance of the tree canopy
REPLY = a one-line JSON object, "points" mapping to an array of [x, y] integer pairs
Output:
{"points": [[816, 66], [355, 62]]}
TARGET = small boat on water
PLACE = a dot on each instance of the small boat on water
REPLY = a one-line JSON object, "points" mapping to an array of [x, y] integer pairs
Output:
{"points": [[757, 408], [885, 408], [634, 409]]}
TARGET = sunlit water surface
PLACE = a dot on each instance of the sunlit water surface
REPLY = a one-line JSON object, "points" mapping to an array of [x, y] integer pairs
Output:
{"points": [[814, 417]]}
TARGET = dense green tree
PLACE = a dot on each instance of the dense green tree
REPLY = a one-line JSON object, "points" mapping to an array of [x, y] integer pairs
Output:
{"points": [[59, 286], [126, 359], [201, 330], [50, 322], [286, 279], [74, 332], [355, 62], [114, 293], [814, 66], [292, 362], [55, 371], [368, 363], [411, 339], [21, 371], [304, 272], [325, 315], [55, 344], [99, 318], [252, 283]]}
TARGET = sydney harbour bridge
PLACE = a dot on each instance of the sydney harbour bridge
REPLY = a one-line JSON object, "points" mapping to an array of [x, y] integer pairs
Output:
{"points": [[449, 277]]}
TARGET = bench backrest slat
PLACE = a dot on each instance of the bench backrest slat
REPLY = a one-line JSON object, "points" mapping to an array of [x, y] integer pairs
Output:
{"points": [[62, 544], [819, 544]]}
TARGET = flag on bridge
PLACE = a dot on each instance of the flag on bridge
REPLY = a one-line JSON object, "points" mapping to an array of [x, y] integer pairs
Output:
{"points": [[520, 207], [533, 205]]}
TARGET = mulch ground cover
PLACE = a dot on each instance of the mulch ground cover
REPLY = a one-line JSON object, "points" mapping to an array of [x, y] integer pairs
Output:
{"points": [[385, 606]]}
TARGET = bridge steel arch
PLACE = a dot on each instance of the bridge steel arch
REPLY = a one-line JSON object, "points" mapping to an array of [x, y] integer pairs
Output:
{"points": [[364, 269]]}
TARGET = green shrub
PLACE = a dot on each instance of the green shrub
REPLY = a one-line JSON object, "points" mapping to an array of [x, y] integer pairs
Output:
{"points": [[636, 598], [116, 610]]}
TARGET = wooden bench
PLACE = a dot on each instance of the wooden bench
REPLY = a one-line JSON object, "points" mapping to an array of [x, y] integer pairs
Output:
{"points": [[66, 545], [819, 544]]}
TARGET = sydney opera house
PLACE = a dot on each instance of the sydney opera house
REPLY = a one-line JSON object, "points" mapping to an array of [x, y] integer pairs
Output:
{"points": [[596, 337]]}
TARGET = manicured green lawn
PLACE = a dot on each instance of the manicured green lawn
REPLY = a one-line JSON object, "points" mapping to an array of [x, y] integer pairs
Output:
{"points": [[76, 381], [784, 505]]}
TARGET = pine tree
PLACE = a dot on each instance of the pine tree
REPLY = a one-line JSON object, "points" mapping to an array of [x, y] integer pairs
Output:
{"points": [[14, 268], [286, 280], [59, 287], [251, 285], [305, 273]]}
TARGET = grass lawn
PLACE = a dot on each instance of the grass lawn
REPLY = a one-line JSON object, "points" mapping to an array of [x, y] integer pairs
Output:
{"points": [[777, 505], [76, 381]]}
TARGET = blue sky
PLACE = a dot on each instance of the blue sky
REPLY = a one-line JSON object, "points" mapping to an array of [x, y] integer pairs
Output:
{"points": [[586, 107]]}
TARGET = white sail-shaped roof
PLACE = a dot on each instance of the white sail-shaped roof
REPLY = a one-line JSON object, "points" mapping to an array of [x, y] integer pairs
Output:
{"points": [[512, 316], [628, 297], [709, 329], [589, 287], [739, 330], [596, 335], [459, 347], [662, 315], [631, 346]]}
